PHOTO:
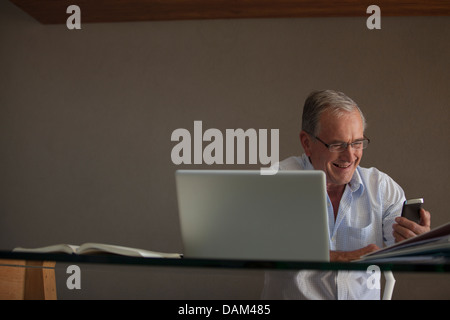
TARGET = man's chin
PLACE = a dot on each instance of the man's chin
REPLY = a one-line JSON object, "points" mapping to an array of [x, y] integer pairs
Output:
{"points": [[341, 179]]}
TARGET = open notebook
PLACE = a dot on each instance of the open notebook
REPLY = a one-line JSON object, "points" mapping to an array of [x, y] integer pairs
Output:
{"points": [[98, 248]]}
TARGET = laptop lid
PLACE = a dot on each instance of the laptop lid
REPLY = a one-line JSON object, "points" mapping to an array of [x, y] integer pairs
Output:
{"points": [[241, 214]]}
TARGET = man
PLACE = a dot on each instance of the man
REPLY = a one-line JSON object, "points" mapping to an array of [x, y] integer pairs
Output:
{"points": [[364, 205]]}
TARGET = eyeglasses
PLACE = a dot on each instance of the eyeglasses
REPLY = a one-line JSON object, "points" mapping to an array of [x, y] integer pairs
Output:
{"points": [[340, 147]]}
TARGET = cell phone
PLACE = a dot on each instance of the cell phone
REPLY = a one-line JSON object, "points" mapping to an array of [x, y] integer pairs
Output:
{"points": [[411, 209]]}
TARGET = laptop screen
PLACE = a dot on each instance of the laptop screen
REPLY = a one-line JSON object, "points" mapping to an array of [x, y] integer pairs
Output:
{"points": [[241, 214]]}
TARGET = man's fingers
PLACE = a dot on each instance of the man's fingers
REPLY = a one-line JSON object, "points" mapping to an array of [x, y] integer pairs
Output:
{"points": [[425, 218], [405, 228]]}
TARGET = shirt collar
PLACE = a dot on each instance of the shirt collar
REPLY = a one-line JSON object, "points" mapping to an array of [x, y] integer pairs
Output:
{"points": [[307, 165], [355, 182]]}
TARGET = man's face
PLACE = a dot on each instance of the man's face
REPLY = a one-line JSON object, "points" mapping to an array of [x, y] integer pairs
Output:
{"points": [[338, 166]]}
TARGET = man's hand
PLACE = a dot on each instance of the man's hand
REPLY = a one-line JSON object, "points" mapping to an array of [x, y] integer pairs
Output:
{"points": [[405, 229], [347, 256]]}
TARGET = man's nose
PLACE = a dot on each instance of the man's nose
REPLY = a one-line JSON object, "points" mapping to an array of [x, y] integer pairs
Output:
{"points": [[349, 154]]}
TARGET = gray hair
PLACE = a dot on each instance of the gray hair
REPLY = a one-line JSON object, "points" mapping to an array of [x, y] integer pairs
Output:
{"points": [[320, 101]]}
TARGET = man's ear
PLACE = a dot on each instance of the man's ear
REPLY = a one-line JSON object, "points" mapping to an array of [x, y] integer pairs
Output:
{"points": [[305, 140]]}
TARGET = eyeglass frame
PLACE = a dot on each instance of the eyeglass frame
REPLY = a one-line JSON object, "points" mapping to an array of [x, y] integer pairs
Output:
{"points": [[343, 144]]}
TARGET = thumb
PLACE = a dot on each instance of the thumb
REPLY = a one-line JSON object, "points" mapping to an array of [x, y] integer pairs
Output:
{"points": [[425, 218]]}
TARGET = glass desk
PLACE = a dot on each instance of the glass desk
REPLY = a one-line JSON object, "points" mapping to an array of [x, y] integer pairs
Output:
{"points": [[37, 270], [435, 265]]}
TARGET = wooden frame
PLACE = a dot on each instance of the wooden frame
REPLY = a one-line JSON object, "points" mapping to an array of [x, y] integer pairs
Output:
{"points": [[27, 280], [54, 11]]}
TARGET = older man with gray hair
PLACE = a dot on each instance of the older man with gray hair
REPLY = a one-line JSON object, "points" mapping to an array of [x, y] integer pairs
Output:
{"points": [[364, 204]]}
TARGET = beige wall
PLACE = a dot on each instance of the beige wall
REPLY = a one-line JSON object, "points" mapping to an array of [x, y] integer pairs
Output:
{"points": [[86, 118]]}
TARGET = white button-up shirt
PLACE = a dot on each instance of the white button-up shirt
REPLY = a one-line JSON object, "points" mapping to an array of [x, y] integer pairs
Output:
{"points": [[369, 205]]}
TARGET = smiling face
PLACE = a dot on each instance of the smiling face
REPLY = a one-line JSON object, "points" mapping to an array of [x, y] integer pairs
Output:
{"points": [[338, 166]]}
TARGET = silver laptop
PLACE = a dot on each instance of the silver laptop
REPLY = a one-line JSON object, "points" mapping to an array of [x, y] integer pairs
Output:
{"points": [[241, 214]]}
